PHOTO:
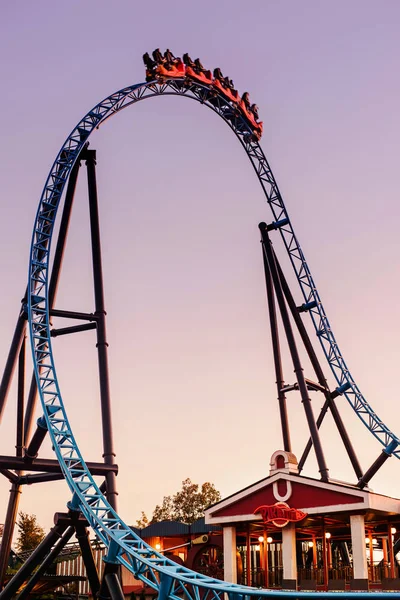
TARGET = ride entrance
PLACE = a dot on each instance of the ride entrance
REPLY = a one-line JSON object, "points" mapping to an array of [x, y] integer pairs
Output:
{"points": [[92, 505]]}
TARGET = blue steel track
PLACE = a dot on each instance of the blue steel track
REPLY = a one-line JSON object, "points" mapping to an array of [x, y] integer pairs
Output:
{"points": [[124, 546]]}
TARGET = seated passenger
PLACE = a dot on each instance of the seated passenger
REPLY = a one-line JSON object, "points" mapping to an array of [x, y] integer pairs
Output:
{"points": [[150, 67], [169, 57], [246, 100], [198, 66], [158, 57], [218, 74], [150, 64], [228, 83], [254, 110], [188, 61]]}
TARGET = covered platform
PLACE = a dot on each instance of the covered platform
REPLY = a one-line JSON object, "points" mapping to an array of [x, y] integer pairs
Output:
{"points": [[305, 533]]}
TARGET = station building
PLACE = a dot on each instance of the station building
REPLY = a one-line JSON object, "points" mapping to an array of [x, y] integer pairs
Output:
{"points": [[301, 532]]}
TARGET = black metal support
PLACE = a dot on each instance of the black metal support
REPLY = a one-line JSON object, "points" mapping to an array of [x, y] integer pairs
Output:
{"points": [[11, 517], [12, 477], [73, 329], [100, 312], [19, 446], [82, 535], [51, 465], [374, 468], [72, 314], [277, 357], [67, 535], [294, 354], [32, 562], [329, 401], [30, 478], [103, 593], [114, 586], [32, 450], [19, 334]]}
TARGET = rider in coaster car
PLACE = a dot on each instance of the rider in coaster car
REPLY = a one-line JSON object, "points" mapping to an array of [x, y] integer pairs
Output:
{"points": [[188, 61], [169, 57], [218, 74], [254, 110], [158, 57], [228, 83], [198, 67], [246, 100], [150, 66]]}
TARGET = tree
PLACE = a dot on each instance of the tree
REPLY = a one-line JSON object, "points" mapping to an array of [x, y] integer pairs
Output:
{"points": [[164, 512], [30, 533], [143, 521], [187, 505]]}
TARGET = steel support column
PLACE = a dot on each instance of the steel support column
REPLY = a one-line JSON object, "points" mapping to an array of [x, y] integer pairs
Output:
{"points": [[100, 312], [277, 356], [51, 465], [329, 401], [374, 468], [20, 442], [32, 562], [294, 354], [82, 535], [11, 517], [67, 535], [114, 586], [19, 334]]}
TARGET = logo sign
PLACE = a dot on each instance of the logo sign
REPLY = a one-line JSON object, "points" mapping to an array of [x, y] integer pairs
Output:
{"points": [[280, 514]]}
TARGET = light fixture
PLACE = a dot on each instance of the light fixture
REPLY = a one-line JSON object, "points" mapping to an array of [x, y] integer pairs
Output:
{"points": [[261, 538], [393, 530], [310, 544], [328, 535], [258, 548], [158, 546], [269, 540], [374, 541], [367, 540]]}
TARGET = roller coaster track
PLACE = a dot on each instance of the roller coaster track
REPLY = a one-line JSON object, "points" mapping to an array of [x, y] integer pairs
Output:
{"points": [[124, 546]]}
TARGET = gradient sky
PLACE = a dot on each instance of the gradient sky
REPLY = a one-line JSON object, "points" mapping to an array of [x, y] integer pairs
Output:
{"points": [[192, 376]]}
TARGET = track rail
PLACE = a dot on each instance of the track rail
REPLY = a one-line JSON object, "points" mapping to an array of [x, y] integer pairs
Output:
{"points": [[124, 546]]}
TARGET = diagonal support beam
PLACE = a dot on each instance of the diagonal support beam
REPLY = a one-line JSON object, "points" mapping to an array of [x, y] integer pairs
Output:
{"points": [[298, 369], [67, 535], [277, 356], [329, 401]]}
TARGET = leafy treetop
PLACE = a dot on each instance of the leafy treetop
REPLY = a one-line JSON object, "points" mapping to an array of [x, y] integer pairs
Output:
{"points": [[30, 533], [186, 506]]}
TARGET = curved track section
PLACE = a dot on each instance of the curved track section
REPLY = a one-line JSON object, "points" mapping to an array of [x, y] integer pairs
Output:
{"points": [[124, 546]]}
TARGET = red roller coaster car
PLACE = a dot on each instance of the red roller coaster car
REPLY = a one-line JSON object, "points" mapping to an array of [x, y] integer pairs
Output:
{"points": [[166, 67]]}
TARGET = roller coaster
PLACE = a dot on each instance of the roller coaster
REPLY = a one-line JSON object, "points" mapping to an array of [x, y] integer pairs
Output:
{"points": [[88, 503]]}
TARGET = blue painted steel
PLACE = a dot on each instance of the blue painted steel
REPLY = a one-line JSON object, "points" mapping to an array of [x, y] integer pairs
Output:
{"points": [[124, 545]]}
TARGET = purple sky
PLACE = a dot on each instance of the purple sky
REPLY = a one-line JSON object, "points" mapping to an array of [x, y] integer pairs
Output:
{"points": [[191, 366]]}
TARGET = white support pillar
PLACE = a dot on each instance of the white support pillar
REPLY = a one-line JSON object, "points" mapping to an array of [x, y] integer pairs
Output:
{"points": [[289, 552], [360, 567], [230, 570]]}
